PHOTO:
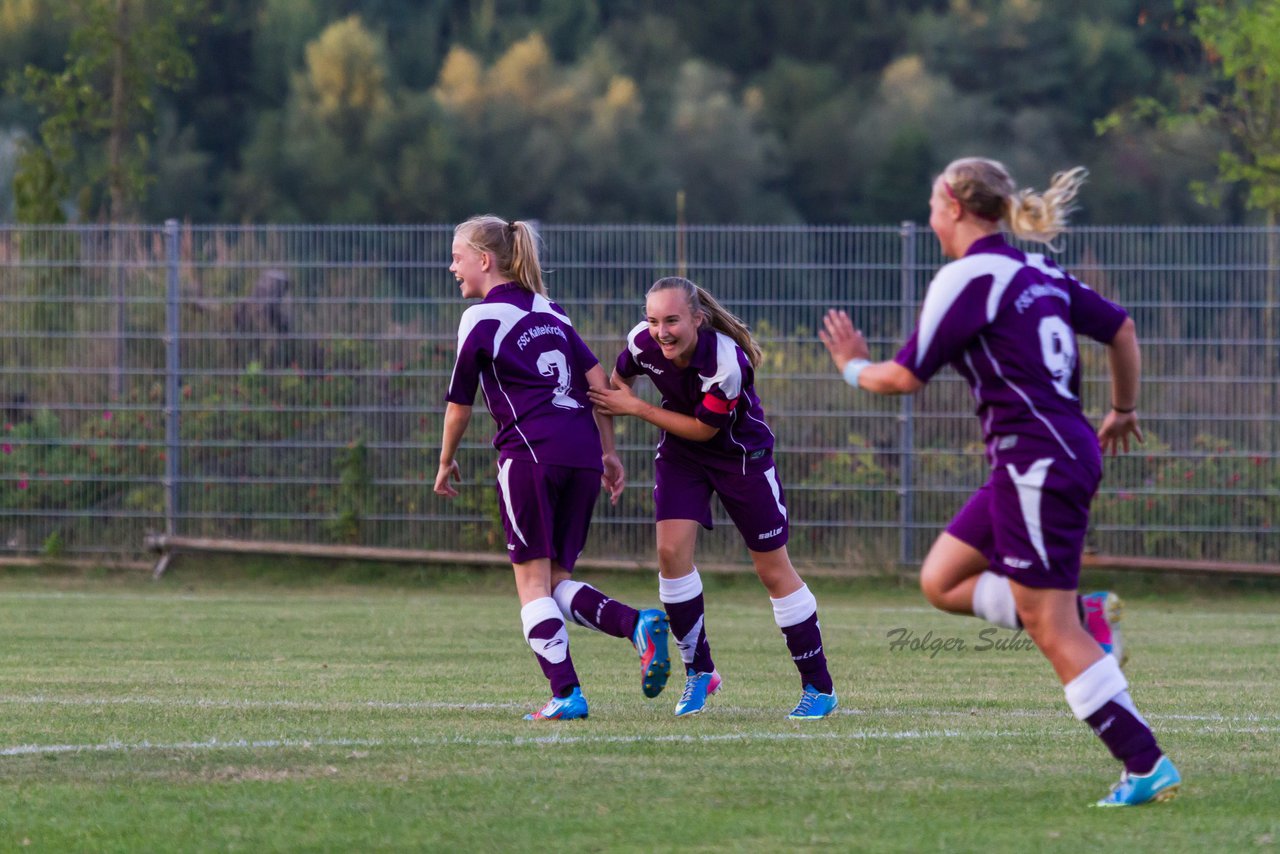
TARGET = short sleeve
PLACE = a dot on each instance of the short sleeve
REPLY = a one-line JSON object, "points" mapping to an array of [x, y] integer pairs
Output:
{"points": [[953, 314], [715, 409], [472, 358], [1094, 315]]}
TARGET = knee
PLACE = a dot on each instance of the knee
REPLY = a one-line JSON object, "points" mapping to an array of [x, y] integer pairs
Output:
{"points": [[933, 588], [672, 558]]}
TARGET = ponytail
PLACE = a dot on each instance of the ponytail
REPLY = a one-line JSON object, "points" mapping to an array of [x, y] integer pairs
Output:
{"points": [[513, 245], [717, 316], [984, 188], [1043, 216]]}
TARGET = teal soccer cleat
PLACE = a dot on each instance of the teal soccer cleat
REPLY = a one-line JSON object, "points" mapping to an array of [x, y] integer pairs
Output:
{"points": [[567, 708], [813, 705], [650, 640], [697, 688], [1160, 784], [1102, 611]]}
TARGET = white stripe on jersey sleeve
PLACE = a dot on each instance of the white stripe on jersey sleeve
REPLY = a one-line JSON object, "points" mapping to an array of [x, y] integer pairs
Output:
{"points": [[543, 305], [633, 343], [1037, 260], [506, 314], [728, 372], [950, 282]]}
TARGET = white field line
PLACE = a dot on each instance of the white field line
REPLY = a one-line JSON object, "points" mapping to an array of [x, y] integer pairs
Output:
{"points": [[431, 705], [558, 739]]}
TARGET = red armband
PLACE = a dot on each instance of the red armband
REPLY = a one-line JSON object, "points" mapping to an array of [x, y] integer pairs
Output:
{"points": [[718, 405]]}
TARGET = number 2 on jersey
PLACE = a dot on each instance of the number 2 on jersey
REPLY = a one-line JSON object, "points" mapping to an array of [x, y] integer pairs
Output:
{"points": [[553, 363]]}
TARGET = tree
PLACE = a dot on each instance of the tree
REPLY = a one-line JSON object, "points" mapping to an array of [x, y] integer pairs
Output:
{"points": [[94, 139], [1241, 41]]}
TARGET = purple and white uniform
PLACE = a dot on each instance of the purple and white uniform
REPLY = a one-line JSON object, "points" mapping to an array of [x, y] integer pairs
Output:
{"points": [[716, 387], [1007, 320], [521, 350]]}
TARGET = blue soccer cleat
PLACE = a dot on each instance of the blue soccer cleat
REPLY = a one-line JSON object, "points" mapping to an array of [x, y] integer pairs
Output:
{"points": [[697, 688], [568, 708], [650, 640], [1102, 611], [814, 705], [1159, 784]]}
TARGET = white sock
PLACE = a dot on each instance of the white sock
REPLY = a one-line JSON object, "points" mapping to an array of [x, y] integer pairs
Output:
{"points": [[679, 589], [563, 594], [554, 649], [993, 601], [1100, 682], [794, 608]]}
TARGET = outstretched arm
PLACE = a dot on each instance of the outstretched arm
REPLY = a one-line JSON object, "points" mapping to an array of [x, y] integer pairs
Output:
{"points": [[1126, 371], [614, 477], [848, 346], [456, 419], [621, 400]]}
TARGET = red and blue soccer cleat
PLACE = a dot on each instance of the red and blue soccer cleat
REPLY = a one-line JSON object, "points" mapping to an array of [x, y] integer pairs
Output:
{"points": [[650, 640], [567, 708], [697, 688]]}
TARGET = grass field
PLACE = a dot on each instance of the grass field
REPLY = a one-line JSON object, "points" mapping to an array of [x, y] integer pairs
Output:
{"points": [[296, 708]]}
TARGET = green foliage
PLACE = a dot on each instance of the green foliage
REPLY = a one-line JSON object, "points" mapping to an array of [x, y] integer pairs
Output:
{"points": [[95, 135], [355, 486]]}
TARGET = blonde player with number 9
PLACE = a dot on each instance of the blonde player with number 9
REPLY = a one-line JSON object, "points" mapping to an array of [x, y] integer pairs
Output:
{"points": [[1006, 320]]}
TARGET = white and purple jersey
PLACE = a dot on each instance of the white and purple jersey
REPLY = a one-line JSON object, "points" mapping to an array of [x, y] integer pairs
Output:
{"points": [[523, 353], [716, 387], [1007, 320]]}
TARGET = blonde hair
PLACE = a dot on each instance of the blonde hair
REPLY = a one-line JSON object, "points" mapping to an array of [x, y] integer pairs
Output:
{"points": [[513, 245], [984, 188], [717, 316]]}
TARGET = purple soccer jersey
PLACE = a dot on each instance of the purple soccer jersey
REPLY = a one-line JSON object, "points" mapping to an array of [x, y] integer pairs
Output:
{"points": [[716, 387], [1007, 322], [521, 350]]}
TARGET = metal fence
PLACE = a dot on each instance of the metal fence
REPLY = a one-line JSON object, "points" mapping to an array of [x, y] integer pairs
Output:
{"points": [[286, 383]]}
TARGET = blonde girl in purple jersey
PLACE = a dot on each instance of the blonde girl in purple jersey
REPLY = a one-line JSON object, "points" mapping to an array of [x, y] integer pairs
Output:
{"points": [[554, 452], [715, 439], [1006, 320]]}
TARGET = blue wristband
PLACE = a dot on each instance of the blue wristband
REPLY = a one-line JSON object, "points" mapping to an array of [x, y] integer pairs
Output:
{"points": [[853, 370]]}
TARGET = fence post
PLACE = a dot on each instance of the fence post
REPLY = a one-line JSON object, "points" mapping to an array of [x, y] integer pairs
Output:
{"points": [[906, 423], [172, 391]]}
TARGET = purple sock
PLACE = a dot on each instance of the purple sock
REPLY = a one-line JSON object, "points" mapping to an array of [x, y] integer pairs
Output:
{"points": [[804, 639], [593, 609], [550, 643], [1126, 735], [688, 627]]}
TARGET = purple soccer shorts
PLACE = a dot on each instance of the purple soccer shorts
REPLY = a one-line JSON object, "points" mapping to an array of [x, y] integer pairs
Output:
{"points": [[546, 509], [754, 501], [1030, 520]]}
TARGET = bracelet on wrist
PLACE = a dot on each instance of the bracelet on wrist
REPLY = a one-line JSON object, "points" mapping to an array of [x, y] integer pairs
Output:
{"points": [[1122, 410], [853, 370]]}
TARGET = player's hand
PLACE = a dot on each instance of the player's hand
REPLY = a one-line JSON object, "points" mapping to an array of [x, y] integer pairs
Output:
{"points": [[1116, 429], [843, 342], [447, 472], [614, 477], [616, 401]]}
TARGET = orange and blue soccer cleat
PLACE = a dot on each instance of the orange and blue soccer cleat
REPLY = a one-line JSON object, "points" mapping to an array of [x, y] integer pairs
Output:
{"points": [[567, 708], [1159, 784], [650, 640]]}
